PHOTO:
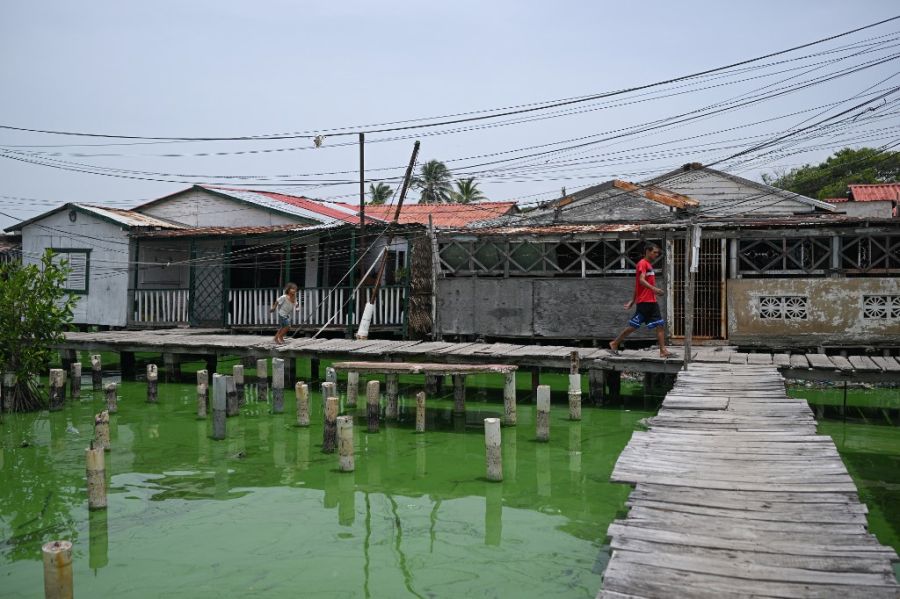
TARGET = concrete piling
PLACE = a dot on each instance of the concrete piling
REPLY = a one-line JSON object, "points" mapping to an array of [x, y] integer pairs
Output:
{"points": [[492, 452], [459, 393], [237, 371], [329, 431], [58, 582], [330, 375], [542, 421], [101, 430], [301, 391], [96, 372], [112, 399], [95, 467], [575, 396], [345, 443], [509, 399], [328, 390], [278, 385], [218, 407], [352, 389], [232, 407], [420, 412], [393, 393], [75, 379], [373, 393], [262, 380], [152, 383]]}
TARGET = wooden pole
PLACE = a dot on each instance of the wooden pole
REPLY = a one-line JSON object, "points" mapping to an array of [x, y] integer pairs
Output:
{"points": [[328, 390], [331, 375], [262, 380], [542, 421], [345, 443], [57, 570], [373, 391], [237, 371], [75, 379], [101, 430], [352, 389], [152, 383], [493, 455], [329, 431], [218, 407], [57, 389], [112, 405], [459, 393], [202, 395], [420, 412], [509, 399], [278, 385], [95, 466], [301, 391], [96, 372], [692, 240], [232, 407], [393, 391]]}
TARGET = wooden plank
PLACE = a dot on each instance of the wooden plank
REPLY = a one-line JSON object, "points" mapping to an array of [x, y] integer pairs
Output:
{"points": [[422, 368], [820, 361], [887, 363], [864, 364], [842, 363], [764, 359], [737, 358], [799, 361], [781, 360]]}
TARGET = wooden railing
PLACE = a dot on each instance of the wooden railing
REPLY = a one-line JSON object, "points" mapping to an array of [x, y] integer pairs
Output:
{"points": [[161, 306], [250, 307]]}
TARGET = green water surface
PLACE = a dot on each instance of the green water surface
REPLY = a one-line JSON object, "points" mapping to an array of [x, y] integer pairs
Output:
{"points": [[265, 513]]}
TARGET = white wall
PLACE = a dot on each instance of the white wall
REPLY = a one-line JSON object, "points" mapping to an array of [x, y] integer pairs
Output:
{"points": [[106, 302], [876, 209], [198, 208]]}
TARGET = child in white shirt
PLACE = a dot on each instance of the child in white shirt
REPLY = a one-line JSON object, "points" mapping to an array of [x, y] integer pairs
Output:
{"points": [[285, 305]]}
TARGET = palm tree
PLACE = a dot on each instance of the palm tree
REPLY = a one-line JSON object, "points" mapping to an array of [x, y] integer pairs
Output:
{"points": [[379, 194], [466, 191], [434, 181]]}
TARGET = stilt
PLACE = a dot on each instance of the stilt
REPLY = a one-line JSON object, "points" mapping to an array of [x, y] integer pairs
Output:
{"points": [[127, 365], [535, 378], [314, 369], [67, 357], [278, 385], [614, 384], [420, 412], [152, 380], [330, 375], [393, 391], [172, 367], [575, 396], [96, 477], [237, 371], [345, 443], [57, 389], [262, 380], [211, 362], [112, 399], [75, 379], [509, 399], [101, 430], [202, 393], [459, 393], [328, 390], [352, 389], [301, 391], [431, 384], [232, 407], [329, 431], [96, 372], [542, 421], [373, 391], [493, 456], [596, 392], [218, 407], [57, 570]]}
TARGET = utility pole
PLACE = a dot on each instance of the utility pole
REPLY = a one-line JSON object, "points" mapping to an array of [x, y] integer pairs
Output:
{"points": [[691, 260], [362, 199]]}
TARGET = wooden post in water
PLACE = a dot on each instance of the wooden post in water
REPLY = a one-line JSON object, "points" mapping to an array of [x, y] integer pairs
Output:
{"points": [[101, 430], [237, 371], [459, 393], [352, 389], [58, 570], [493, 456], [202, 393], [75, 379], [373, 391], [278, 385], [95, 466], [329, 432], [574, 386], [152, 383], [393, 392], [96, 372], [57, 389], [330, 375], [596, 391], [509, 399], [218, 407], [112, 399], [262, 380], [542, 421], [420, 412], [232, 407], [345, 443], [301, 391], [328, 390]]}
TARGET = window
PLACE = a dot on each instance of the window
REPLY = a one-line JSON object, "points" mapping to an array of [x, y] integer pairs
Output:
{"points": [[78, 263]]}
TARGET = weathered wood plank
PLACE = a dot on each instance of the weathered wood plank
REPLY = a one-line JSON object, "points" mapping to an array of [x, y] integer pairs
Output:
{"points": [[864, 364], [887, 363], [820, 361]]}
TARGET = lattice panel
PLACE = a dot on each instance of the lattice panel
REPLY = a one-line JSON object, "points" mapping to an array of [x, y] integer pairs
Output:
{"points": [[785, 255], [784, 307], [881, 307]]}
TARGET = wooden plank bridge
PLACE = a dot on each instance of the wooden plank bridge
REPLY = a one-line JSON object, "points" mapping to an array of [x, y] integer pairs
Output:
{"points": [[736, 495]]}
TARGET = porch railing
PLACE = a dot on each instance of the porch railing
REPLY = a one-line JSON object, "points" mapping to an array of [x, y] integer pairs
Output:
{"points": [[250, 307], [161, 306]]}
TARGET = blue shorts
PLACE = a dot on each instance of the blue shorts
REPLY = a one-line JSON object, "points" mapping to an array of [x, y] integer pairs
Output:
{"points": [[284, 321], [646, 313]]}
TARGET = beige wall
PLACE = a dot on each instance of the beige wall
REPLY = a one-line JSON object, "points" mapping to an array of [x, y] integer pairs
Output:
{"points": [[835, 312]]}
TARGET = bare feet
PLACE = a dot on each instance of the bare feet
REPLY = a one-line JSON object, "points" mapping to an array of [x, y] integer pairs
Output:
{"points": [[613, 348], [666, 354]]}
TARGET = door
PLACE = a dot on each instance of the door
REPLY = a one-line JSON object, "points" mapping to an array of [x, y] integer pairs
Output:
{"points": [[709, 290], [207, 285]]}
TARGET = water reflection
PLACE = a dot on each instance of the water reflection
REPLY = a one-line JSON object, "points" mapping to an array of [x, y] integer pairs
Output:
{"points": [[542, 468], [346, 498], [421, 456], [98, 539], [493, 512]]}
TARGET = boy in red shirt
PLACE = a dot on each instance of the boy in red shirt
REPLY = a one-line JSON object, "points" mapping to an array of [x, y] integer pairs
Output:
{"points": [[644, 300]]}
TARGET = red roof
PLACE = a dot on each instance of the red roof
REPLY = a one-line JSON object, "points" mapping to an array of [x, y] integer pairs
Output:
{"points": [[443, 216], [873, 193], [835, 200]]}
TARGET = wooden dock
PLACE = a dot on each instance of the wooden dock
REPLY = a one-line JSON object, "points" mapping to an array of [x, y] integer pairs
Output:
{"points": [[736, 495]]}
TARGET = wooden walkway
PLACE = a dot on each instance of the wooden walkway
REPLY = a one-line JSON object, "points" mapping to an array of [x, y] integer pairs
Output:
{"points": [[205, 341], [736, 495]]}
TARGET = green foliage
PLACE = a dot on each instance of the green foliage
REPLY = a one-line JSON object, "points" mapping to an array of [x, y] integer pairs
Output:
{"points": [[830, 179], [34, 313], [379, 194], [434, 182], [466, 191]]}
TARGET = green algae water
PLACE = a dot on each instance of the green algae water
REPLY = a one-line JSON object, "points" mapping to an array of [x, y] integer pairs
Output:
{"points": [[265, 512]]}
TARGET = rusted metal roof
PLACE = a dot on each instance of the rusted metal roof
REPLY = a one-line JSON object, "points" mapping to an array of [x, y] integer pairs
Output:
{"points": [[558, 229], [443, 215], [223, 231], [875, 192]]}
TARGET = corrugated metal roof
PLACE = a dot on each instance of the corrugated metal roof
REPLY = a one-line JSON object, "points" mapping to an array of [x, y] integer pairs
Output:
{"points": [[443, 215], [322, 211], [129, 218], [230, 231], [875, 192]]}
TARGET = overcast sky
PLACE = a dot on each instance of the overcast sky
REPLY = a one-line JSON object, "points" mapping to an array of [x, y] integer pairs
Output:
{"points": [[238, 69]]}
